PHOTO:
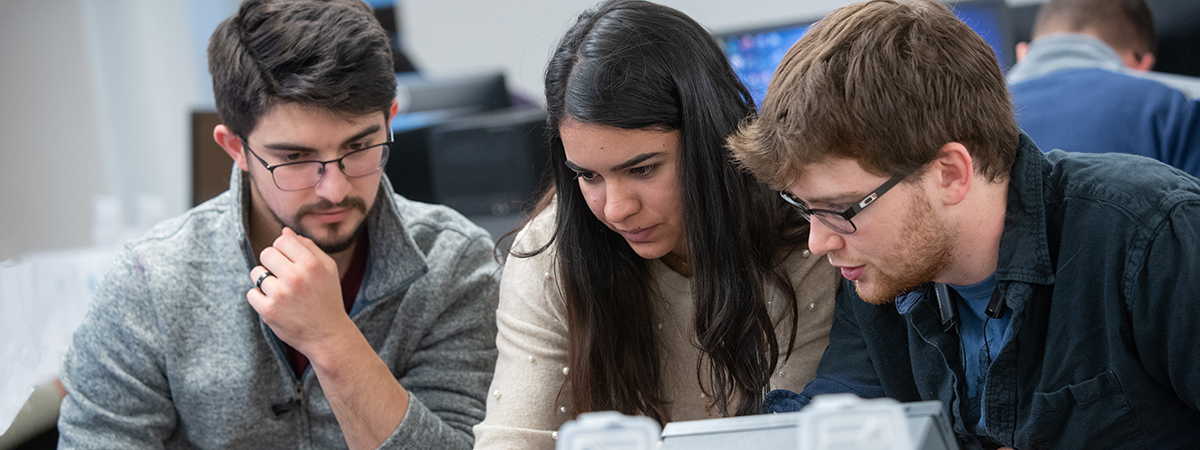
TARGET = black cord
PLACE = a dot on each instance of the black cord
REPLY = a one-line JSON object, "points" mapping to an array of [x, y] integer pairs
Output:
{"points": [[987, 345]]}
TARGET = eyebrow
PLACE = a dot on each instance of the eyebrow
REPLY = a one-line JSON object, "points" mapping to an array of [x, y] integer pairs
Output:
{"points": [[283, 146], [622, 166]]}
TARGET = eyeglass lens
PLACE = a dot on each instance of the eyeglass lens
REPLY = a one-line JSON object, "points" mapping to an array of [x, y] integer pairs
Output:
{"points": [[303, 175], [835, 221]]}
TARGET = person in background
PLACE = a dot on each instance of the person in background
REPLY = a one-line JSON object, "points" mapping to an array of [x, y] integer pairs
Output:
{"points": [[1046, 300], [308, 306], [655, 277], [1080, 85]]}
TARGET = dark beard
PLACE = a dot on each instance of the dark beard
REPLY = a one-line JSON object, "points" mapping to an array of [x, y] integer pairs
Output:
{"points": [[327, 246]]}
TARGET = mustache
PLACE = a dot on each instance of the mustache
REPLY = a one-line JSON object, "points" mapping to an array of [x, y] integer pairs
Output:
{"points": [[325, 205]]}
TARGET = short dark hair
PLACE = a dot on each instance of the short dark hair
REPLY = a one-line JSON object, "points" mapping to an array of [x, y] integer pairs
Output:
{"points": [[1125, 25], [886, 84], [330, 54], [635, 65]]}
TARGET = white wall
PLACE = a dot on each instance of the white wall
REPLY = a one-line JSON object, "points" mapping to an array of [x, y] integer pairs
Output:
{"points": [[49, 129], [94, 99]]}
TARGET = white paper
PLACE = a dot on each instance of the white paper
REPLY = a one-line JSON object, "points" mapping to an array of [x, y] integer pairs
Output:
{"points": [[43, 298]]}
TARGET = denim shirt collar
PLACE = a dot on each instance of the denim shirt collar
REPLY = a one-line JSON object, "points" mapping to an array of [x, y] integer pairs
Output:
{"points": [[1064, 51], [394, 261], [906, 301], [1024, 245]]}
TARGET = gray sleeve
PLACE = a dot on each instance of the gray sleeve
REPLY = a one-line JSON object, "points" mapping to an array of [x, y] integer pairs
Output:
{"points": [[448, 375], [117, 391]]}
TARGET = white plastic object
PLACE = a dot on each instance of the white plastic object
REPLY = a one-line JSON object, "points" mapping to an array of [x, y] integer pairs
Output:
{"points": [[847, 422]]}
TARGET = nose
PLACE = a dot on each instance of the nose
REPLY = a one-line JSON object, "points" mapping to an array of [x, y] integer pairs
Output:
{"points": [[619, 203], [821, 239], [334, 185]]}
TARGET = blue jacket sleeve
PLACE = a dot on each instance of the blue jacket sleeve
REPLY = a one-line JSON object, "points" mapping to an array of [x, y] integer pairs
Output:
{"points": [[1162, 299], [846, 366]]}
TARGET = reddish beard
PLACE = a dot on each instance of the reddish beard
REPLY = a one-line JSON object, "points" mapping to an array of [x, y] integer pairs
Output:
{"points": [[925, 252]]}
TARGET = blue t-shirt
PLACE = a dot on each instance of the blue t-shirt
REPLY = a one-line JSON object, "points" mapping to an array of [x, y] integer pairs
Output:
{"points": [[982, 337]]}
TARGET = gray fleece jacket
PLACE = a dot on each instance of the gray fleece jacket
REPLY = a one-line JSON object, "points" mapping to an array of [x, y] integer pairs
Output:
{"points": [[171, 355]]}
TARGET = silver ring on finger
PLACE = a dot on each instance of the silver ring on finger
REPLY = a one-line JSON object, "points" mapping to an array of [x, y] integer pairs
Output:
{"points": [[258, 283]]}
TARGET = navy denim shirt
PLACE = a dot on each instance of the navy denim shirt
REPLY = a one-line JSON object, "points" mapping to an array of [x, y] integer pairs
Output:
{"points": [[1100, 264]]}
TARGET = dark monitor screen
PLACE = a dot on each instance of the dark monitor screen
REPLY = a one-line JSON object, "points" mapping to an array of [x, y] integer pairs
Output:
{"points": [[754, 54]]}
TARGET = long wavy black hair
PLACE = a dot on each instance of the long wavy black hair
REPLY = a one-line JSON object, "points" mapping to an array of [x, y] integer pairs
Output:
{"points": [[636, 65]]}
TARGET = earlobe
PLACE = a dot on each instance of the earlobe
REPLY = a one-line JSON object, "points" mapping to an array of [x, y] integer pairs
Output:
{"points": [[232, 144], [955, 172]]}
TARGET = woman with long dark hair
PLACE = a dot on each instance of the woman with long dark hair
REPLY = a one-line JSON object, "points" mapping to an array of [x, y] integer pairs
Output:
{"points": [[655, 277]]}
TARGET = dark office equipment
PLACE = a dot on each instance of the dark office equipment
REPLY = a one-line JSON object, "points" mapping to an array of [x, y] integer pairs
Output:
{"points": [[425, 104], [453, 95], [755, 53], [1177, 24], [488, 164]]}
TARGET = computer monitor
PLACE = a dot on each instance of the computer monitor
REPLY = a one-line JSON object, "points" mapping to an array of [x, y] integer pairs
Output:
{"points": [[989, 19], [755, 53]]}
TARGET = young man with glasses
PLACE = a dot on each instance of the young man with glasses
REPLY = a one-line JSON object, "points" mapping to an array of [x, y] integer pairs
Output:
{"points": [[1048, 301], [308, 306]]}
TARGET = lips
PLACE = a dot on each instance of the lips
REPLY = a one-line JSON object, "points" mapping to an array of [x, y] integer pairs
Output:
{"points": [[332, 215], [852, 273], [638, 234]]}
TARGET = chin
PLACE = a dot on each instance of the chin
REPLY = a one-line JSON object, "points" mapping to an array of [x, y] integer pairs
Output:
{"points": [[649, 250], [871, 295], [331, 239], [877, 294]]}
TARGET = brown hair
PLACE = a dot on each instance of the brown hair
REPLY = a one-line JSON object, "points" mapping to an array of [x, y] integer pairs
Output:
{"points": [[886, 84], [1125, 25], [331, 55]]}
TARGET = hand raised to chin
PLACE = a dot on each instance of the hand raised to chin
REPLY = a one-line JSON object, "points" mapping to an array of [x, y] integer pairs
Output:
{"points": [[302, 298]]}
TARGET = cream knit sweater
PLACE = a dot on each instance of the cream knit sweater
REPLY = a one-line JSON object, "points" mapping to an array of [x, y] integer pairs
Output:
{"points": [[526, 403]]}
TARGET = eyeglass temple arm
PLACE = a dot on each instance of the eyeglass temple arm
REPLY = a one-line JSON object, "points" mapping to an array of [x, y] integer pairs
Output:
{"points": [[874, 195]]}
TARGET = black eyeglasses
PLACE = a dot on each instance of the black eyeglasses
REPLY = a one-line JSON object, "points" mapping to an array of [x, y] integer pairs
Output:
{"points": [[301, 175], [839, 221]]}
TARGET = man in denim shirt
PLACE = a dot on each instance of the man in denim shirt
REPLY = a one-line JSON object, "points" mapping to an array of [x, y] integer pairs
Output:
{"points": [[308, 306], [1048, 301], [1083, 85]]}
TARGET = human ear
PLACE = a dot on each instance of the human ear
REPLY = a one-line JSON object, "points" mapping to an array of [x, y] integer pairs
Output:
{"points": [[232, 144], [1022, 50], [954, 172], [1145, 63]]}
